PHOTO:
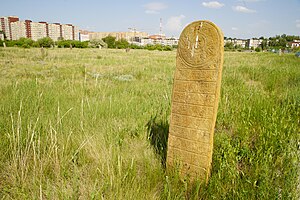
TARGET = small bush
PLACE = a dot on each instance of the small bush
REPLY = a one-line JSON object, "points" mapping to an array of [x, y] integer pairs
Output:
{"points": [[45, 42], [258, 49], [26, 46], [158, 47]]}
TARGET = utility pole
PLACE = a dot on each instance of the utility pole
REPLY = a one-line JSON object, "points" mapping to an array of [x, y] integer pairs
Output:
{"points": [[160, 27]]}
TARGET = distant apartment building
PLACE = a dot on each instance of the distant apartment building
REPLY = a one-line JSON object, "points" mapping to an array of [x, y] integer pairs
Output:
{"points": [[67, 31], [240, 42], [84, 35], [54, 31], [76, 33], [13, 29], [129, 36], [18, 30], [237, 42], [6, 25], [254, 43], [38, 30]]}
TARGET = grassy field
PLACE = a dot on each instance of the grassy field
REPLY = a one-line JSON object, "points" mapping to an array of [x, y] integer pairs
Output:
{"points": [[91, 124]]}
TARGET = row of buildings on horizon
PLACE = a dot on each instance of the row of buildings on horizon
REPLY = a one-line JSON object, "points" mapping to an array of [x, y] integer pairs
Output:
{"points": [[12, 28], [134, 37], [143, 39]]}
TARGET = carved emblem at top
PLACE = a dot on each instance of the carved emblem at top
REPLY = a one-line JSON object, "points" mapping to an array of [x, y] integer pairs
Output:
{"points": [[199, 44]]}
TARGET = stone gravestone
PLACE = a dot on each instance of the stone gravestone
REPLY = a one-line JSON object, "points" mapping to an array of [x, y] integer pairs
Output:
{"points": [[195, 97]]}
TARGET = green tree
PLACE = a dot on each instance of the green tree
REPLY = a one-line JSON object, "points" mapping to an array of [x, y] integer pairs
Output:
{"points": [[158, 47], [282, 42], [25, 42], [64, 43], [10, 43], [45, 42], [258, 49], [122, 44], [74, 43], [229, 46], [2, 32], [167, 48], [239, 47], [290, 38], [78, 44], [264, 44], [134, 46], [110, 41], [95, 43], [22, 42]]}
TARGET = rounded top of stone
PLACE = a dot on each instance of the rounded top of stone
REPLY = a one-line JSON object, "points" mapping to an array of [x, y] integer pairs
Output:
{"points": [[200, 43]]}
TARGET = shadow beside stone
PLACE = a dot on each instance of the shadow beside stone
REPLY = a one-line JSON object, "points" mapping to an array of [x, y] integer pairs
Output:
{"points": [[158, 128]]}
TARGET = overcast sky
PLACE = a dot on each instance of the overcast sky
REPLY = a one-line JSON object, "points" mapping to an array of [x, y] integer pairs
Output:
{"points": [[236, 18]]}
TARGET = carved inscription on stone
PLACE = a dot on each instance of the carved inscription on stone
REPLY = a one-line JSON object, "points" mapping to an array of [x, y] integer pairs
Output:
{"points": [[195, 99]]}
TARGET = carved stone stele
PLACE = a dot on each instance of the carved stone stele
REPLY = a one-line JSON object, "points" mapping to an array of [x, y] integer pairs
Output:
{"points": [[195, 97]]}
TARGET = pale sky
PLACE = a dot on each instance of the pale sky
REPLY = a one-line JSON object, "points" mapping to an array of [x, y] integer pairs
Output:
{"points": [[236, 18]]}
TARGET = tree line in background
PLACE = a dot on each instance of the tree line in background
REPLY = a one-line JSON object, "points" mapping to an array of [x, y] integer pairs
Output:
{"points": [[272, 43], [277, 42], [107, 42]]}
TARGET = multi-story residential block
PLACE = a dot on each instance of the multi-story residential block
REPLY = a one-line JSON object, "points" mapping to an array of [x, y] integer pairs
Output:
{"points": [[54, 31], [63, 31], [18, 30], [6, 25], [67, 31], [38, 30], [75, 33], [84, 35], [254, 43], [4, 28]]}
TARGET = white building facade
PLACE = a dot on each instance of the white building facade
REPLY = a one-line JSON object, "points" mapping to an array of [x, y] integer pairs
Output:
{"points": [[5, 25], [38, 30], [54, 31], [18, 30]]}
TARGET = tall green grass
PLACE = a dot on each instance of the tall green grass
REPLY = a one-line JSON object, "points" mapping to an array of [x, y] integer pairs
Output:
{"points": [[75, 124]]}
